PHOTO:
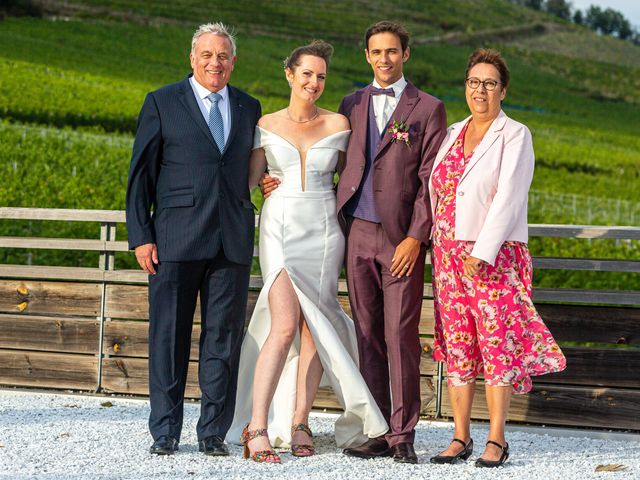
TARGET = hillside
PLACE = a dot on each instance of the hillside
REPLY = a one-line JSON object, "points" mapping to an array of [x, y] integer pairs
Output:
{"points": [[343, 21], [72, 82]]}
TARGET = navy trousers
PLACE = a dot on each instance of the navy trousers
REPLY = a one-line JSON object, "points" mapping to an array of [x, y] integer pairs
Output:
{"points": [[173, 291]]}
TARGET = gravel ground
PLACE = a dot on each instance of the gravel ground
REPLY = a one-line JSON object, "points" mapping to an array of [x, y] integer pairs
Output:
{"points": [[56, 436]]}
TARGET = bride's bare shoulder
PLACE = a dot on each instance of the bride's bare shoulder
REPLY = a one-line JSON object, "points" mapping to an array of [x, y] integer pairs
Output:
{"points": [[336, 121], [271, 120]]}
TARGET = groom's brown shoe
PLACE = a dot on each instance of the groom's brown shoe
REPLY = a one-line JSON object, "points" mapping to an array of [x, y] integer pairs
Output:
{"points": [[404, 453], [372, 448]]}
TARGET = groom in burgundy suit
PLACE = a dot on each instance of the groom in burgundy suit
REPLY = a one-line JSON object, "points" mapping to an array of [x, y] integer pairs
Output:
{"points": [[383, 206]]}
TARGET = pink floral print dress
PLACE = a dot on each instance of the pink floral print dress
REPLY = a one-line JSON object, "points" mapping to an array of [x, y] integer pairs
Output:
{"points": [[485, 325]]}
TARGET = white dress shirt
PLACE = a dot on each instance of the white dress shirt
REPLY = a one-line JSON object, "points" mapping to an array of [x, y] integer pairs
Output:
{"points": [[204, 103], [385, 105]]}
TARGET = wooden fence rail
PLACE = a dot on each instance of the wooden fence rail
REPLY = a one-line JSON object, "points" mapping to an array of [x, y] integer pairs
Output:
{"points": [[85, 328]]}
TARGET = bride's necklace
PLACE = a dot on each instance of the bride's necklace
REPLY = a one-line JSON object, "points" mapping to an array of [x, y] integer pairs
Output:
{"points": [[315, 115]]}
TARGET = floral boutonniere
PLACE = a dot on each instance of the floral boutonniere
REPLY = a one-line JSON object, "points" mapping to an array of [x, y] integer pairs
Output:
{"points": [[399, 132]]}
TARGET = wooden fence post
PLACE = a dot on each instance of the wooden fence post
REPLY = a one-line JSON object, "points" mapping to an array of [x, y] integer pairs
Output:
{"points": [[107, 262]]}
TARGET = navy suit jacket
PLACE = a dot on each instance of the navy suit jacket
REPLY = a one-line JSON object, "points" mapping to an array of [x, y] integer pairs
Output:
{"points": [[199, 196]]}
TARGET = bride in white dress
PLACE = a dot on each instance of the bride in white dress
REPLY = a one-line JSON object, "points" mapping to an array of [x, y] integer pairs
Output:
{"points": [[298, 333]]}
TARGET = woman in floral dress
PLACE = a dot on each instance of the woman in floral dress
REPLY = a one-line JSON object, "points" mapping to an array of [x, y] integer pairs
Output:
{"points": [[485, 321]]}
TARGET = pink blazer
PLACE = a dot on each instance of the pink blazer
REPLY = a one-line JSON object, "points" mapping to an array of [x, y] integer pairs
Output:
{"points": [[491, 203]]}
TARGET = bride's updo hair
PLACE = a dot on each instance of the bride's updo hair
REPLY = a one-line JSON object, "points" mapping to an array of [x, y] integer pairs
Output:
{"points": [[317, 48]]}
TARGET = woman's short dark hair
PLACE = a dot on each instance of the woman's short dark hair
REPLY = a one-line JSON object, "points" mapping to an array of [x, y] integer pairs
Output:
{"points": [[317, 48], [492, 57], [391, 27]]}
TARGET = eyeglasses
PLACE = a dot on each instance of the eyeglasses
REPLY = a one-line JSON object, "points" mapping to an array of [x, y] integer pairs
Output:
{"points": [[473, 83]]}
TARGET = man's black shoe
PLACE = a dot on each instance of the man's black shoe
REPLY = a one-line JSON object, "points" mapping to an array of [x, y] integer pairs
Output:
{"points": [[213, 445], [164, 445]]}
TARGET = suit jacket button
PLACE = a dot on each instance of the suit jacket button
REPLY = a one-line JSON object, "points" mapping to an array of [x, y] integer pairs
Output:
{"points": [[460, 194], [222, 164]]}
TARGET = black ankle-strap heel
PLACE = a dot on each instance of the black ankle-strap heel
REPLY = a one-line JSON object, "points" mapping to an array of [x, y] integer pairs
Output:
{"points": [[481, 462], [463, 455]]}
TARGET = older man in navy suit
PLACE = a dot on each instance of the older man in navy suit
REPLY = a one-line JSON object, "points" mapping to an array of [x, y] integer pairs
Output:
{"points": [[190, 167]]}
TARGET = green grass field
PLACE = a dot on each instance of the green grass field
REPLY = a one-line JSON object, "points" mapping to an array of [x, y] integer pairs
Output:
{"points": [[70, 91]]}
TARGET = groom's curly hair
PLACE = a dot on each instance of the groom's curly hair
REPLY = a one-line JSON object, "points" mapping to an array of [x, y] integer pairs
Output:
{"points": [[317, 48], [391, 27]]}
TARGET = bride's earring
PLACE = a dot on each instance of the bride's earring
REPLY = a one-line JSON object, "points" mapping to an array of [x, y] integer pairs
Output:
{"points": [[290, 83]]}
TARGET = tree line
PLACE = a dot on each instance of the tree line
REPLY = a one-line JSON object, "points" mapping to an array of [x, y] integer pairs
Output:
{"points": [[605, 21]]}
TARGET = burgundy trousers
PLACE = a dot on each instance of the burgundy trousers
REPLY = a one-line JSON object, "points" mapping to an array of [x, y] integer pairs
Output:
{"points": [[386, 311]]}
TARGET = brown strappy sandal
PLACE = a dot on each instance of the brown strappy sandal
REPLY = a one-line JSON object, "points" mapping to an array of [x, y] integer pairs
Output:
{"points": [[301, 450]]}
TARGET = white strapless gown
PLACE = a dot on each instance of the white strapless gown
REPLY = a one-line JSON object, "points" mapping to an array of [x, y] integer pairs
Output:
{"points": [[299, 232]]}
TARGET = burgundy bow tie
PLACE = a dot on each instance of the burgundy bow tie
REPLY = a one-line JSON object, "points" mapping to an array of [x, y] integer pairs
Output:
{"points": [[382, 91]]}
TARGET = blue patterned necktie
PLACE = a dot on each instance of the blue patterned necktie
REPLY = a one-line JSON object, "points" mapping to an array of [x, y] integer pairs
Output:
{"points": [[215, 120]]}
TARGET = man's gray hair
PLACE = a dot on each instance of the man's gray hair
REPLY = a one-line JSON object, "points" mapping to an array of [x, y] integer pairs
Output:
{"points": [[216, 28]]}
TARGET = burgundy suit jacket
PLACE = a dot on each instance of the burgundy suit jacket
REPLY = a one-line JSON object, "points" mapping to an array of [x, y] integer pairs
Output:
{"points": [[400, 173]]}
